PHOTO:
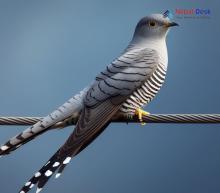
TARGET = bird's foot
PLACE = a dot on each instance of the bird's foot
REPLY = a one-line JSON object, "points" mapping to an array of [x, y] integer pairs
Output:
{"points": [[129, 116], [139, 112]]}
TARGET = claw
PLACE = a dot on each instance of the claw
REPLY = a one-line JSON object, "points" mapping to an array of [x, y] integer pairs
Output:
{"points": [[129, 116], [139, 112]]}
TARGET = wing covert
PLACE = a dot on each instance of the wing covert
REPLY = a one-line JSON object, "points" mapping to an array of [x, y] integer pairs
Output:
{"points": [[123, 76]]}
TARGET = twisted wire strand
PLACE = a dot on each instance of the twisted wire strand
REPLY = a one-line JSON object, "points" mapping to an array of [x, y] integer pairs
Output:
{"points": [[152, 118]]}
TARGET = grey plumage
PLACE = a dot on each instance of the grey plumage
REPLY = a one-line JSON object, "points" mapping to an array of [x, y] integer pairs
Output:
{"points": [[104, 98], [73, 106], [128, 83]]}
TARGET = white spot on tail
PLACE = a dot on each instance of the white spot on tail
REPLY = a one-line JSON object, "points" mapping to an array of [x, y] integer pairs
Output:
{"points": [[22, 191], [4, 147], [56, 164], [32, 185], [48, 173], [28, 183], [37, 174], [57, 175], [38, 190], [67, 160], [47, 163]]}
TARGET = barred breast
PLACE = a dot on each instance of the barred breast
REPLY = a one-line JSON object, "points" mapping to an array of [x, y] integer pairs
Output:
{"points": [[146, 92]]}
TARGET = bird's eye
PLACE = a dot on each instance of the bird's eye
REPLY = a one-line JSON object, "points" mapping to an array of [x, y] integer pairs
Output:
{"points": [[152, 23]]}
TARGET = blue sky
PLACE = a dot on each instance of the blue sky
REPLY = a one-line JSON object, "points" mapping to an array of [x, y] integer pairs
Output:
{"points": [[50, 50]]}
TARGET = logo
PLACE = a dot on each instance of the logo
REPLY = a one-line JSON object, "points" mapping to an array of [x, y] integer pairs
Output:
{"points": [[168, 14], [193, 13]]}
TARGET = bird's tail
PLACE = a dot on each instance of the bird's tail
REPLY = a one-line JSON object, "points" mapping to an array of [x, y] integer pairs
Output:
{"points": [[91, 123], [71, 107], [41, 177], [57, 163]]}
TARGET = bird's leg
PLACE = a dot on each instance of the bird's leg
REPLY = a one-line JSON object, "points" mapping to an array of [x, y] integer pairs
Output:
{"points": [[139, 112]]}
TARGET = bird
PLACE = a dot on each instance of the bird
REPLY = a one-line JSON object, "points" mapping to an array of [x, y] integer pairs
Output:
{"points": [[127, 84]]}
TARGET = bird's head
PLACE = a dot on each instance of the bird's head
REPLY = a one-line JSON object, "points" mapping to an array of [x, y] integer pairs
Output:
{"points": [[154, 26]]}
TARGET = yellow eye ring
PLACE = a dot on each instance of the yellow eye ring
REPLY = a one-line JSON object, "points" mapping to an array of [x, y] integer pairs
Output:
{"points": [[152, 23]]}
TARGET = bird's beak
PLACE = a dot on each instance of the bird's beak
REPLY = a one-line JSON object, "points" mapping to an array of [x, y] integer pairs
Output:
{"points": [[171, 24]]}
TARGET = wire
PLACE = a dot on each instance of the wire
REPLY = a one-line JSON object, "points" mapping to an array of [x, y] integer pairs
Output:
{"points": [[152, 118]]}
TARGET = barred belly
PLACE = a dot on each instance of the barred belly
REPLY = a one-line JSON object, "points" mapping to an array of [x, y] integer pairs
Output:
{"points": [[146, 92]]}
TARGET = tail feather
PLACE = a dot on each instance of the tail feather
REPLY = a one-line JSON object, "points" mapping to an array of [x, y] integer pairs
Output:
{"points": [[72, 106], [22, 138], [58, 162], [88, 127], [46, 172]]}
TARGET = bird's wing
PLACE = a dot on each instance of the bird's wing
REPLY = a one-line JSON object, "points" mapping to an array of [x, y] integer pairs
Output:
{"points": [[73, 105], [104, 98]]}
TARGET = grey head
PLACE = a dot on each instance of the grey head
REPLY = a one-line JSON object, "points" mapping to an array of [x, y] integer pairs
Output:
{"points": [[155, 26]]}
